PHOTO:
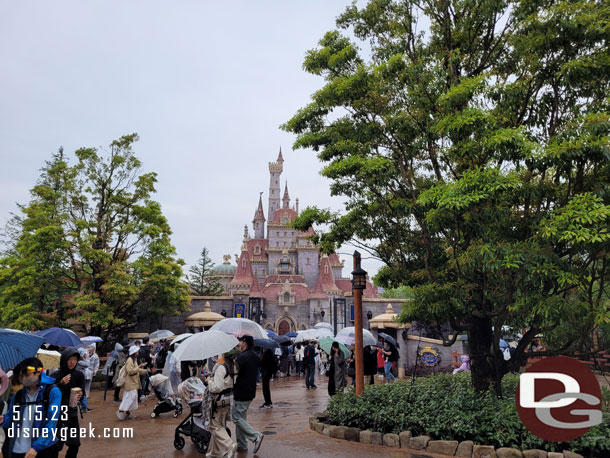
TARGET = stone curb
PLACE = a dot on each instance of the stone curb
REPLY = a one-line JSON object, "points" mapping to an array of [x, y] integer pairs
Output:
{"points": [[464, 449]]}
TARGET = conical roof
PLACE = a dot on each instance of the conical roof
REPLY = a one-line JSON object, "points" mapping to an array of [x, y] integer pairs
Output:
{"points": [[243, 274], [280, 158], [255, 290], [326, 277], [259, 214], [318, 292], [204, 318]]}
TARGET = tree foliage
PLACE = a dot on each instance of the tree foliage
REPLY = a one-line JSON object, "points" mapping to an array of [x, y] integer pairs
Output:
{"points": [[201, 277], [471, 140], [91, 245]]}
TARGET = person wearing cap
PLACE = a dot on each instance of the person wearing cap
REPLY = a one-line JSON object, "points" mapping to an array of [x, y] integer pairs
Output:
{"points": [[131, 385], [244, 391]]}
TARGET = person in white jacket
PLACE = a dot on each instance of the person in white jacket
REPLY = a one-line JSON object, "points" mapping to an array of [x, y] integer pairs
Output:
{"points": [[220, 384], [94, 364]]}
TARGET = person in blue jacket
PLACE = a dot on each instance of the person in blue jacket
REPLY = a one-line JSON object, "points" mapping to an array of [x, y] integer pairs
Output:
{"points": [[31, 420]]}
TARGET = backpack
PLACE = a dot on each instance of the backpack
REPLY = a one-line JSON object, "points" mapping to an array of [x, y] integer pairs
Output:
{"points": [[120, 380], [46, 394]]}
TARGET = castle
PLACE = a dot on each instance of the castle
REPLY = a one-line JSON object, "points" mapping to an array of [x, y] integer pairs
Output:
{"points": [[281, 278]]}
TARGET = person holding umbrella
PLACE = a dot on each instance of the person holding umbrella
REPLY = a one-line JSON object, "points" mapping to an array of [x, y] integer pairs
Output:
{"points": [[389, 356]]}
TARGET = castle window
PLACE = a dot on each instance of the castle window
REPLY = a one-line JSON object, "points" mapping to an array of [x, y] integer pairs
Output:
{"points": [[257, 225], [326, 269], [286, 297], [284, 243], [285, 220], [307, 261], [277, 233], [264, 271], [277, 244], [243, 262], [284, 233], [257, 249]]}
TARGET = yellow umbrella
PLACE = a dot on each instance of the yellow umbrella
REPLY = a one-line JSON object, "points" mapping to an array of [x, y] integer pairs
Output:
{"points": [[50, 359]]}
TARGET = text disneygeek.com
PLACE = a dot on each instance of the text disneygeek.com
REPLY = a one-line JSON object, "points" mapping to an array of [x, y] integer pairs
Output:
{"points": [[65, 433]]}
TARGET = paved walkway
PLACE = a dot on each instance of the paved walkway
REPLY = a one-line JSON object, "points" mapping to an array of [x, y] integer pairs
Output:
{"points": [[286, 428]]}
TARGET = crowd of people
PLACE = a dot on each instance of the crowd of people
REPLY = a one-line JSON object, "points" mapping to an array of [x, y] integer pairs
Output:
{"points": [[61, 395]]}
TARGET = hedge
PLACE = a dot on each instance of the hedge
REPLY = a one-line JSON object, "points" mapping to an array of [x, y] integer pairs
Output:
{"points": [[446, 408]]}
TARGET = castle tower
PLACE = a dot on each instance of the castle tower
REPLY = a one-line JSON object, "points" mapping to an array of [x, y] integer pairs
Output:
{"points": [[286, 198], [275, 170], [258, 223]]}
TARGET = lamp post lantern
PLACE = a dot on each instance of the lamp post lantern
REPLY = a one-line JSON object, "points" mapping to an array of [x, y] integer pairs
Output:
{"points": [[358, 286]]}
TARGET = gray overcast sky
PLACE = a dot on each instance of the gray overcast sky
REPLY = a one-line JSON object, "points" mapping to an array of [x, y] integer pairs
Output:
{"points": [[205, 85]]}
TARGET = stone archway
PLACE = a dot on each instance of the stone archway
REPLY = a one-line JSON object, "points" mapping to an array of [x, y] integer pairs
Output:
{"points": [[283, 327]]}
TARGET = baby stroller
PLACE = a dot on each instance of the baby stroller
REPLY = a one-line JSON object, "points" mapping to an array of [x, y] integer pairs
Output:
{"points": [[194, 393], [167, 402]]}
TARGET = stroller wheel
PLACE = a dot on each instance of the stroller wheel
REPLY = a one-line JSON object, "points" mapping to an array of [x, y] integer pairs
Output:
{"points": [[179, 443], [201, 443], [153, 415]]}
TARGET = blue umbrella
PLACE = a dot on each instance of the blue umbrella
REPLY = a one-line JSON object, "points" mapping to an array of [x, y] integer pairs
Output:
{"points": [[266, 343], [291, 334], [60, 337], [15, 346], [282, 340], [270, 333]]}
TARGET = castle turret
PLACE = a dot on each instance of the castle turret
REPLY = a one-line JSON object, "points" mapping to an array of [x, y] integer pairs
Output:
{"points": [[286, 198], [275, 170], [258, 223]]}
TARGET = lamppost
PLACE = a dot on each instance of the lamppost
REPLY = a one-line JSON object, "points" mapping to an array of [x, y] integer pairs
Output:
{"points": [[358, 286]]}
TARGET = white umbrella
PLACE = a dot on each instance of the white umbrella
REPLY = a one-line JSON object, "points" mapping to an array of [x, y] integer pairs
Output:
{"points": [[312, 334], [204, 345], [323, 325], [181, 337], [240, 327], [348, 337]]}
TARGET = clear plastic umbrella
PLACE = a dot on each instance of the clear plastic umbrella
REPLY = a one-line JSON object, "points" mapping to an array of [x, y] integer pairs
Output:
{"points": [[312, 334], [323, 325], [348, 337], [161, 334], [204, 345], [239, 327]]}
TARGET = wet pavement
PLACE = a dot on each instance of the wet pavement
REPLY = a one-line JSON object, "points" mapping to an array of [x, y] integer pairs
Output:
{"points": [[286, 428]]}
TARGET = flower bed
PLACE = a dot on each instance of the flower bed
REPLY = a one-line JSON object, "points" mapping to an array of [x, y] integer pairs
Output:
{"points": [[446, 408]]}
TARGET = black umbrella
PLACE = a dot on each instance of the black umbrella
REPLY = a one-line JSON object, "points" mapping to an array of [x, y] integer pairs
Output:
{"points": [[266, 343], [389, 339], [282, 340]]}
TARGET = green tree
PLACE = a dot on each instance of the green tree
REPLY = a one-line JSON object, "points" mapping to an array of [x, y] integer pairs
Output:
{"points": [[201, 277], [91, 245], [471, 140]]}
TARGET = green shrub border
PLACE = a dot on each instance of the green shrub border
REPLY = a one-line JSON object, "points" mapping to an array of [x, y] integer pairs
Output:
{"points": [[478, 417]]}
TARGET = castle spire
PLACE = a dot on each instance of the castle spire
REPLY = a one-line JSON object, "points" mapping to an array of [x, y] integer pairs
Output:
{"points": [[286, 198], [258, 222], [280, 158]]}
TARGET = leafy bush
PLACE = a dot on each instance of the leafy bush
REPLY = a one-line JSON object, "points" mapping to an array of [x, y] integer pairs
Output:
{"points": [[447, 408]]}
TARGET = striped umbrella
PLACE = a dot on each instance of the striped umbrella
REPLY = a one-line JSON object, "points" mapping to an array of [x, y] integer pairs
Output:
{"points": [[15, 346]]}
